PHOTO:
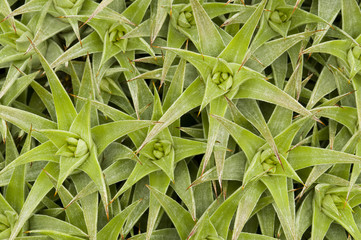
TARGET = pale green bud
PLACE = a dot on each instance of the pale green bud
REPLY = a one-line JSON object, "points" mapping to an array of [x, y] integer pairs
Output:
{"points": [[224, 76], [72, 141], [223, 80], [116, 32], [269, 161], [278, 17], [73, 148], [186, 19], [161, 148]]}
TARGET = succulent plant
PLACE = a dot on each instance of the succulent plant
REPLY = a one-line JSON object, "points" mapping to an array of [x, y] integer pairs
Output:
{"points": [[180, 119]]}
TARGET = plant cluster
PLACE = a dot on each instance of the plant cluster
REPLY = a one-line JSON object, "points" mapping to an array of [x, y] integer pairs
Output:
{"points": [[180, 119]]}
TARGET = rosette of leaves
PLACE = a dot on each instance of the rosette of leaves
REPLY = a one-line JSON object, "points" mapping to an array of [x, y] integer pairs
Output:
{"points": [[347, 44], [70, 143], [111, 28], [279, 21], [56, 9], [242, 82], [222, 77], [104, 23], [331, 204], [158, 149], [39, 28], [265, 163], [182, 25], [15, 42], [186, 19], [68, 8]]}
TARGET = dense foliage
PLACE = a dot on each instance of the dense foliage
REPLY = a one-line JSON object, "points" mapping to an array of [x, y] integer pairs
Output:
{"points": [[180, 119]]}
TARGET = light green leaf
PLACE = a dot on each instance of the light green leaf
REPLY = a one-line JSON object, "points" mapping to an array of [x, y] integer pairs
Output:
{"points": [[180, 217]]}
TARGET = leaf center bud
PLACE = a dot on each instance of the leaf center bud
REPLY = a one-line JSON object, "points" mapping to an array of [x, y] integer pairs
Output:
{"points": [[278, 17], [223, 80], [74, 147], [269, 161], [186, 19], [161, 148]]}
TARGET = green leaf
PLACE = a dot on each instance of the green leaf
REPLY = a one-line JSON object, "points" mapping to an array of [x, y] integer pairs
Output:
{"points": [[243, 198], [265, 91], [17, 88], [180, 217], [210, 40], [105, 134], [189, 99], [114, 227], [351, 14], [39, 190], [301, 157], [277, 185], [15, 192], [236, 50], [160, 181], [44, 152], [65, 110], [43, 222], [249, 144], [26, 121]]}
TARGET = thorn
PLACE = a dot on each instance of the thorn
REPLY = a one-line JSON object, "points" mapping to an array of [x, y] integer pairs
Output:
{"points": [[240, 67], [295, 189], [199, 112], [111, 201], [31, 42], [337, 105], [133, 79], [224, 24], [4, 19], [20, 70], [215, 189], [220, 184], [257, 60], [161, 50], [84, 23], [318, 120], [69, 204], [107, 212], [294, 9], [136, 157], [346, 200]]}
